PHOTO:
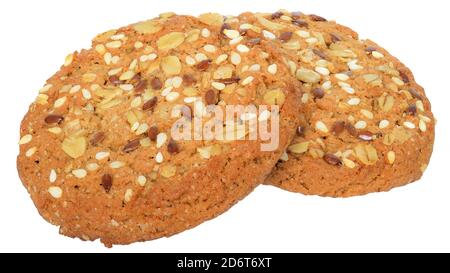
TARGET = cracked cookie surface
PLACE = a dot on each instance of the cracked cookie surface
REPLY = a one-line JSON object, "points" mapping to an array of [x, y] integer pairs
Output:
{"points": [[96, 151]]}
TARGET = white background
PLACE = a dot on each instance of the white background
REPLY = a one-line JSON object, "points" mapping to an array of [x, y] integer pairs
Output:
{"points": [[37, 35]]}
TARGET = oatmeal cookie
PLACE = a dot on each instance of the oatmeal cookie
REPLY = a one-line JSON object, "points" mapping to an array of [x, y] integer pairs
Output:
{"points": [[97, 154], [367, 126]]}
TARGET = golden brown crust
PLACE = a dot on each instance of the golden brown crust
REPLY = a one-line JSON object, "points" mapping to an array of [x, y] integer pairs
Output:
{"points": [[96, 153], [367, 125]]}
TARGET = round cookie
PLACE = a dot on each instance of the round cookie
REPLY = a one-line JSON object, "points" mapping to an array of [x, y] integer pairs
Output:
{"points": [[366, 124], [96, 151]]}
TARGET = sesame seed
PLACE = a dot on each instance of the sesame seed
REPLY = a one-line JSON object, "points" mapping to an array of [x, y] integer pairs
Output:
{"points": [[79, 173], [209, 48], [88, 77], [30, 151], [398, 81], [327, 85], [221, 58], [268, 35], [101, 155], [55, 130], [159, 157], [255, 67], [321, 127], [231, 33], [166, 91], [409, 125], [303, 33], [141, 180], [236, 40], [354, 101], [25, 139], [134, 126], [116, 164], [190, 99], [46, 88], [419, 105], [352, 65], [114, 71], [126, 75], [56, 192], [114, 44], [242, 48], [115, 59], [311, 40], [74, 89], [422, 125], [377, 55], [133, 65], [136, 102], [272, 69], [128, 195], [151, 56], [60, 102], [100, 49], [92, 166], [126, 87], [322, 70], [247, 80], [349, 90], [205, 33], [172, 96], [86, 94], [284, 156], [119, 36], [305, 98], [235, 58], [218, 85], [383, 124], [68, 60], [143, 127], [245, 26], [425, 118], [52, 177], [368, 114], [360, 124], [200, 57], [391, 157], [160, 140], [344, 84], [349, 163], [177, 81], [107, 58], [342, 76], [190, 61]]}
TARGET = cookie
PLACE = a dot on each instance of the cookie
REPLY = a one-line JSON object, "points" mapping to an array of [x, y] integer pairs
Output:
{"points": [[367, 126], [98, 154]]}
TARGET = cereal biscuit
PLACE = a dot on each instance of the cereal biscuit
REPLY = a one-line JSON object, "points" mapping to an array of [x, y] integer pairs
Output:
{"points": [[96, 152], [366, 124]]}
